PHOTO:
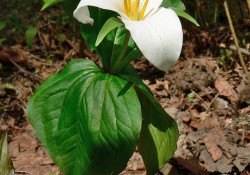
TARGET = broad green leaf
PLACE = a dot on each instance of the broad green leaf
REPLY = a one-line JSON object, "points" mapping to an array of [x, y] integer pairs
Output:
{"points": [[48, 3], [130, 75], [2, 25], [30, 34], [177, 4], [6, 166], [88, 121], [109, 25], [186, 16], [159, 133], [59, 84]]}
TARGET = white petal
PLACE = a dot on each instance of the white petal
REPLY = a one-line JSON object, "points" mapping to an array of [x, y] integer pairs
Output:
{"points": [[152, 6], [159, 37], [82, 13]]}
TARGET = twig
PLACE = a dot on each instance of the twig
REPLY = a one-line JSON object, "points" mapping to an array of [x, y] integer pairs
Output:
{"points": [[19, 99], [44, 48], [198, 96], [31, 56], [236, 40], [40, 79], [233, 47], [198, 8], [72, 45], [210, 104], [65, 60], [22, 172]]}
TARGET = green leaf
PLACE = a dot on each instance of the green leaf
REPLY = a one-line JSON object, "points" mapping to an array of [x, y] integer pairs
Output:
{"points": [[159, 133], [177, 4], [61, 37], [110, 24], [114, 42], [179, 8], [48, 3], [6, 166], [2, 40], [89, 32], [30, 34], [110, 48], [186, 16], [130, 75], [88, 121], [2, 25], [132, 54]]}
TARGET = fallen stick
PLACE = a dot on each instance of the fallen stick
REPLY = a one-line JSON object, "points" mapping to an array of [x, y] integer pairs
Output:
{"points": [[233, 47], [243, 64]]}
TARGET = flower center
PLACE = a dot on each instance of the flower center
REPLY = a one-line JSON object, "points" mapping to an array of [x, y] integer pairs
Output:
{"points": [[133, 11]]}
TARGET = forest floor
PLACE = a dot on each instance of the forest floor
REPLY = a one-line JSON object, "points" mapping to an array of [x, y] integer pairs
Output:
{"points": [[206, 92]]}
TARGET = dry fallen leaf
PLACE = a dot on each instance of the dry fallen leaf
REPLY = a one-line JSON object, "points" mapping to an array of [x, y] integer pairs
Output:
{"points": [[226, 90], [212, 147], [8, 54]]}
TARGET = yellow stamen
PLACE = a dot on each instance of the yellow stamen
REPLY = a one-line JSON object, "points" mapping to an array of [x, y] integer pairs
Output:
{"points": [[143, 9], [126, 9], [129, 5], [135, 10], [131, 9]]}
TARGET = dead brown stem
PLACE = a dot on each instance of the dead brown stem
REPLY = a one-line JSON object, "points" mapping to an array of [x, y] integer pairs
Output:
{"points": [[38, 78], [242, 61], [248, 5]]}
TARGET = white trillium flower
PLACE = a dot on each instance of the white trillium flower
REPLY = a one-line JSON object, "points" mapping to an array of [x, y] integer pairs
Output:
{"points": [[156, 30]]}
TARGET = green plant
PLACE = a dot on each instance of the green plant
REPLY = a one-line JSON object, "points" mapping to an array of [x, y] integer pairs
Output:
{"points": [[30, 33], [2, 26], [6, 166], [91, 117], [15, 25], [68, 5]]}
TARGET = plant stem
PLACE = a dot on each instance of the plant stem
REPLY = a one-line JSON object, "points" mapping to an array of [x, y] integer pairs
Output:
{"points": [[198, 7], [248, 5], [243, 64], [216, 12], [122, 54]]}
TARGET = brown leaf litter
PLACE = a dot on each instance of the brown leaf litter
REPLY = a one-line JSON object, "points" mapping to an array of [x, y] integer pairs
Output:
{"points": [[211, 139]]}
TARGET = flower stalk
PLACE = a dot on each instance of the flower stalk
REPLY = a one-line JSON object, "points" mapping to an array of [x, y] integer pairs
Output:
{"points": [[118, 60]]}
